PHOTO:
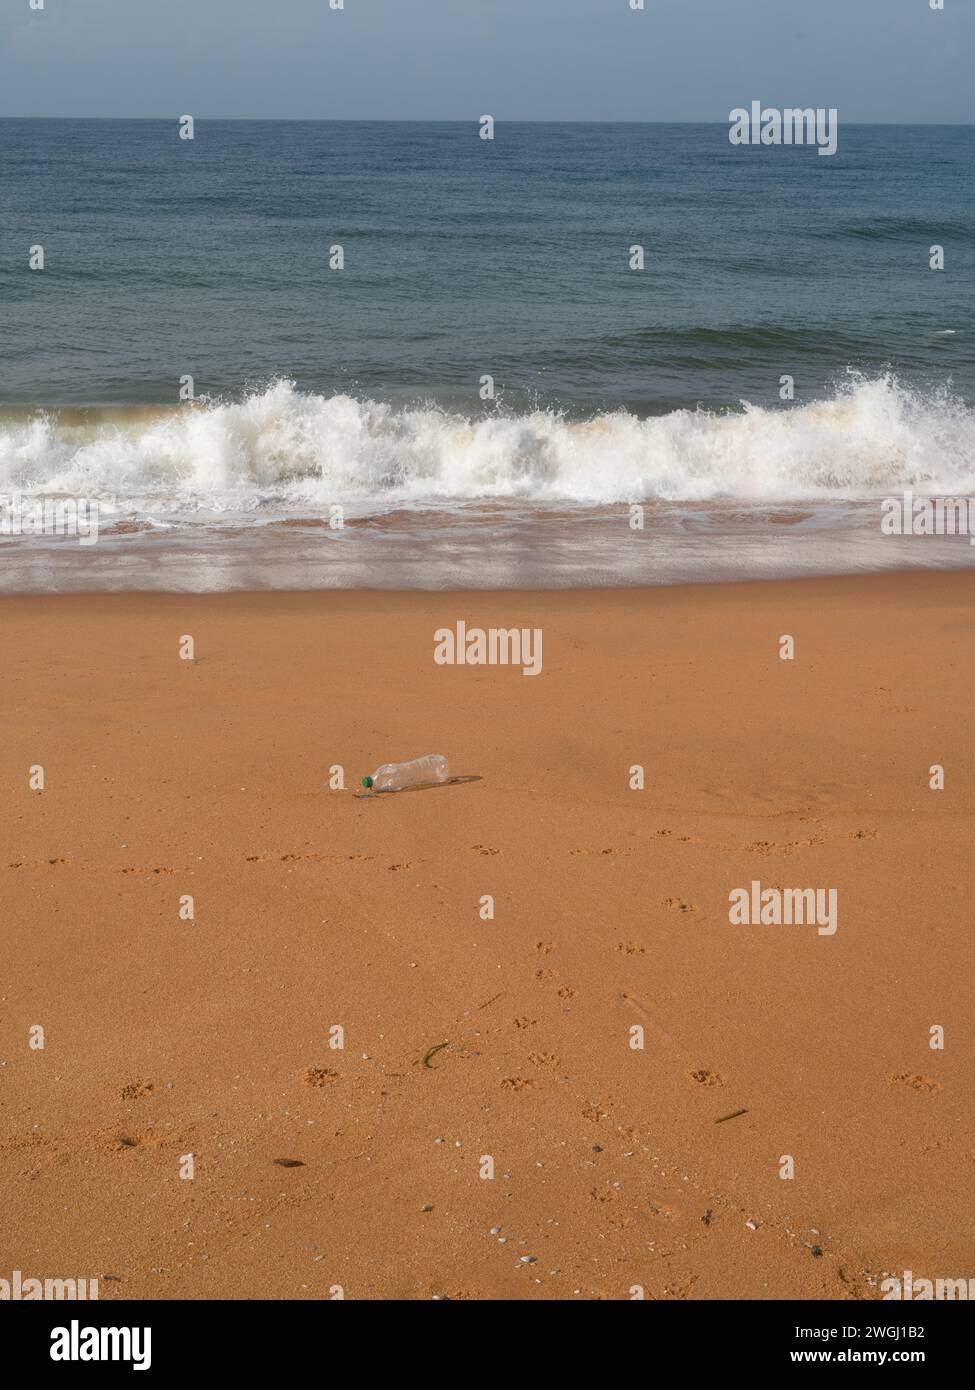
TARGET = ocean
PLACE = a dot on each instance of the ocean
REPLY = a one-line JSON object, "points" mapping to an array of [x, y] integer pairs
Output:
{"points": [[343, 431]]}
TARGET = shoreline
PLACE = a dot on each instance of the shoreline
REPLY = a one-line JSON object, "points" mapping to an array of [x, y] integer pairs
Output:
{"points": [[366, 591], [485, 547]]}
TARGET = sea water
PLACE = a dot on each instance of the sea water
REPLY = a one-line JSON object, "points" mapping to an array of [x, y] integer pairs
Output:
{"points": [[341, 433]]}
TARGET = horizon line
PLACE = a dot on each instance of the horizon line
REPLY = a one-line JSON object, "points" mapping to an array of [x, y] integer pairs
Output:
{"points": [[452, 120]]}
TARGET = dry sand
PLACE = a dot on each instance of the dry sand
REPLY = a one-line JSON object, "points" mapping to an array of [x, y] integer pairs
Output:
{"points": [[313, 908]]}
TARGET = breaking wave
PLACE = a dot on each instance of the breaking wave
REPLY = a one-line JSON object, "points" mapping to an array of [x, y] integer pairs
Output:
{"points": [[279, 449]]}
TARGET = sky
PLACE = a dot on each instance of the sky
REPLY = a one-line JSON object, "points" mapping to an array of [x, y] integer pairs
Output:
{"points": [[583, 60]]}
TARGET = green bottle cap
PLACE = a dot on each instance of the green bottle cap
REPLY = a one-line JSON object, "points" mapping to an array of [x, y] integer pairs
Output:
{"points": [[367, 781]]}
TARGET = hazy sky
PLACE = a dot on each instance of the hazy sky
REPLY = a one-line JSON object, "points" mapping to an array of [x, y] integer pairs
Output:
{"points": [[683, 60]]}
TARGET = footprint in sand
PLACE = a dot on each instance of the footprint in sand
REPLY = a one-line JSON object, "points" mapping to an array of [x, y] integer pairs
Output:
{"points": [[484, 849], [680, 905], [599, 851], [605, 1194], [545, 947], [135, 1090], [631, 948], [121, 1143], [544, 1059], [707, 1078], [914, 1082], [320, 1077], [864, 834], [516, 1083], [567, 992], [767, 847], [295, 857], [38, 864]]}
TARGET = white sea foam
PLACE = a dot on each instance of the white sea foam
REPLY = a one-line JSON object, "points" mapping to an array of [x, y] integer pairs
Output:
{"points": [[281, 449]]}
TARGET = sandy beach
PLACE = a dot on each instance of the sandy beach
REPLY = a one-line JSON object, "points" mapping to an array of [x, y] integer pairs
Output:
{"points": [[358, 1168]]}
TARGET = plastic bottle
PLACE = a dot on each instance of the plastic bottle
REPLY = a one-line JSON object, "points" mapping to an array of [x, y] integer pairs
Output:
{"points": [[396, 777]]}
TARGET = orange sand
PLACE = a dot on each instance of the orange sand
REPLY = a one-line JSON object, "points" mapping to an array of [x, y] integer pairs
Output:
{"points": [[313, 908]]}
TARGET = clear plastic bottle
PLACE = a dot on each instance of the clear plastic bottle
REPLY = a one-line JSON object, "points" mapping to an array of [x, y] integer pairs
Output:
{"points": [[396, 777]]}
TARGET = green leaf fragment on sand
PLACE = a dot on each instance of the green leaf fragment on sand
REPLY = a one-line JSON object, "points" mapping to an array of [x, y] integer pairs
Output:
{"points": [[439, 1048]]}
